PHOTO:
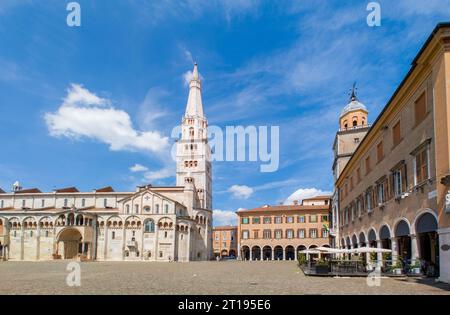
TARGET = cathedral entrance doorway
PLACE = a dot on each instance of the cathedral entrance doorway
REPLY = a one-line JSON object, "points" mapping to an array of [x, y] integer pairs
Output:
{"points": [[68, 244]]}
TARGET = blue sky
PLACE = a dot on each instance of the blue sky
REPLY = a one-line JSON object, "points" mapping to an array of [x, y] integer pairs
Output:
{"points": [[272, 63]]}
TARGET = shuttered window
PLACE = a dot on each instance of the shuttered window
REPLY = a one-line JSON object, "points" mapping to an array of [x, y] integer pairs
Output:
{"points": [[396, 134], [420, 108]]}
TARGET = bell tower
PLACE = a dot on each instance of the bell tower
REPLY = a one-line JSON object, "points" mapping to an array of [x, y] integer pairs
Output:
{"points": [[193, 151]]}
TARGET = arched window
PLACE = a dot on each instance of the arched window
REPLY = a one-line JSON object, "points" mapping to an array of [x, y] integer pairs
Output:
{"points": [[191, 132], [65, 203], [83, 203], [355, 123], [105, 203], [166, 209], [147, 209], [136, 208], [128, 209], [149, 226], [157, 209]]}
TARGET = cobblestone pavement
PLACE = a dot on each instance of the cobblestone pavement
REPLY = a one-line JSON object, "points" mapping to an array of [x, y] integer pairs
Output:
{"points": [[196, 278]]}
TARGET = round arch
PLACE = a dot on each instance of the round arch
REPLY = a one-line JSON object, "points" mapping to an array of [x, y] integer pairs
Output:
{"points": [[245, 252], [267, 252], [290, 252], [355, 241], [71, 239], [278, 252], [426, 226], [256, 253], [372, 237]]}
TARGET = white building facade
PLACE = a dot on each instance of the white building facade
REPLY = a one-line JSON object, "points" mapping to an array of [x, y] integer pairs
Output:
{"points": [[150, 224]]}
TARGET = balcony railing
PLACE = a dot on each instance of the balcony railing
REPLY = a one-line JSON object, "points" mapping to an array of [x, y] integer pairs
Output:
{"points": [[131, 244], [355, 128]]}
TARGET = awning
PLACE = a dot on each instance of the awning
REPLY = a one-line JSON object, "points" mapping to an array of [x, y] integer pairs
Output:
{"points": [[361, 250]]}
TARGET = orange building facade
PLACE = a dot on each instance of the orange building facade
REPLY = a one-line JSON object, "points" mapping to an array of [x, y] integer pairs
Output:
{"points": [[225, 241], [280, 232], [393, 191]]}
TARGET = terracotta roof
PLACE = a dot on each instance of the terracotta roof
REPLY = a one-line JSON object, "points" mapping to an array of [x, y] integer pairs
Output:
{"points": [[2, 191], [29, 191], [318, 198], [226, 227], [67, 190], [105, 189], [285, 208]]}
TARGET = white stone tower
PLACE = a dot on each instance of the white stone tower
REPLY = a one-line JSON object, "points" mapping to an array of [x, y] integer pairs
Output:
{"points": [[193, 151]]}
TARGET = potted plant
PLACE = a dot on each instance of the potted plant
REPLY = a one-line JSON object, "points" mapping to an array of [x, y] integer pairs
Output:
{"points": [[302, 259], [416, 267], [322, 267], [397, 268]]}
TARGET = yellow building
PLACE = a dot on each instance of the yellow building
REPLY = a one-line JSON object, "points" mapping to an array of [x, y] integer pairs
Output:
{"points": [[225, 241], [392, 189], [280, 232]]}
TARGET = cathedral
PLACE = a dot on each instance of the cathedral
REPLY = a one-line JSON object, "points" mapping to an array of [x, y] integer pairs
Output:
{"points": [[149, 224]]}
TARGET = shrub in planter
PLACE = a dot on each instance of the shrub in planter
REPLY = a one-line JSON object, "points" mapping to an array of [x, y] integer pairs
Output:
{"points": [[322, 266], [302, 259], [397, 268], [416, 267]]}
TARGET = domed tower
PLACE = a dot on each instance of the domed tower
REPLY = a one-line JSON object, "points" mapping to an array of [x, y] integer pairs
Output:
{"points": [[353, 127], [354, 114]]}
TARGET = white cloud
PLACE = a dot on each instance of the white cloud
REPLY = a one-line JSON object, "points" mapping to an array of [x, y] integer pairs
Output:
{"points": [[187, 76], [241, 192], [85, 115], [160, 174], [304, 193], [223, 217], [136, 168]]}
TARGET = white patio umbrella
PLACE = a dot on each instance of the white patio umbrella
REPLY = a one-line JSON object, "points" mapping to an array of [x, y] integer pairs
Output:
{"points": [[310, 251], [328, 250], [362, 250]]}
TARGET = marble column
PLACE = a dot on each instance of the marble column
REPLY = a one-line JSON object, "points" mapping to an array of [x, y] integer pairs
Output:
{"points": [[414, 249], [394, 246], [379, 255]]}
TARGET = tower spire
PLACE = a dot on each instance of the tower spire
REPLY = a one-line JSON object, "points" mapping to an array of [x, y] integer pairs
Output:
{"points": [[353, 93], [194, 105]]}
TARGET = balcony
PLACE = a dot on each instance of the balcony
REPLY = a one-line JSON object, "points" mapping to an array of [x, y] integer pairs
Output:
{"points": [[355, 128], [132, 244]]}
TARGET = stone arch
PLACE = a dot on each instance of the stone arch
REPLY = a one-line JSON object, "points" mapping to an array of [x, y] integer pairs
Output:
{"points": [[372, 237], [419, 215], [267, 253], [278, 252], [355, 241], [245, 252], [165, 223], [256, 253], [14, 223], [71, 239], [362, 238], [290, 252], [385, 235], [29, 223], [114, 222], [149, 226], [348, 242], [46, 223], [402, 227], [385, 231]]}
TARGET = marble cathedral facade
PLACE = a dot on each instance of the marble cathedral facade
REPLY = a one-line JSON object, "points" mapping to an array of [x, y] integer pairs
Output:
{"points": [[150, 224]]}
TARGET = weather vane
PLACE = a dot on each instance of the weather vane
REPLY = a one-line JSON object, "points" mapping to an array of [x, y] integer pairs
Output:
{"points": [[353, 91]]}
